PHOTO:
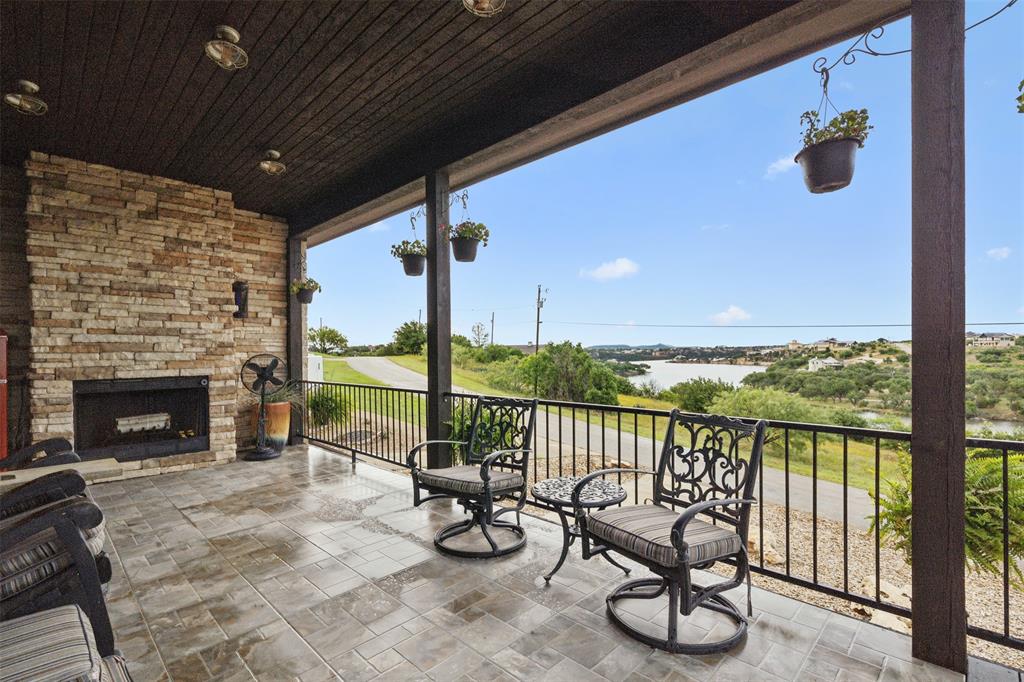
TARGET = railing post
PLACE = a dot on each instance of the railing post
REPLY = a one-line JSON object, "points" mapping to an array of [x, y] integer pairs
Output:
{"points": [[439, 319], [937, 298], [297, 348]]}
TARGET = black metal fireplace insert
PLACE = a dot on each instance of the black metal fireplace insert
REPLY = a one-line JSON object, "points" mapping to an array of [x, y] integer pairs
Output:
{"points": [[131, 419]]}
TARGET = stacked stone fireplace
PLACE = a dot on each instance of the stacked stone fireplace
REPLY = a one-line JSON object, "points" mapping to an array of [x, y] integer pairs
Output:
{"points": [[130, 312]]}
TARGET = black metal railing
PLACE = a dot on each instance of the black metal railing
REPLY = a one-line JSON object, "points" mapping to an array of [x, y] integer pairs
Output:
{"points": [[818, 485]]}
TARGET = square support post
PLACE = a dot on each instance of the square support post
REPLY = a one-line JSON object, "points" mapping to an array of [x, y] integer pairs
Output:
{"points": [[938, 317], [439, 320], [297, 348]]}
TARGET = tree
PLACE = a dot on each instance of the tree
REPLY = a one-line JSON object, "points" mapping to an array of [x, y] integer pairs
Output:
{"points": [[460, 340], [480, 334], [410, 338], [326, 340], [696, 395], [565, 371]]}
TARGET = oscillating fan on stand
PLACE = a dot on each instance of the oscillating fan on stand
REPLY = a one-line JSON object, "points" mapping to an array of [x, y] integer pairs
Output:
{"points": [[261, 374]]}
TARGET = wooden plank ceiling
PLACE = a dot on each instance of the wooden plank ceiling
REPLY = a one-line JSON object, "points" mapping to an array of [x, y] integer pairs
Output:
{"points": [[359, 97]]}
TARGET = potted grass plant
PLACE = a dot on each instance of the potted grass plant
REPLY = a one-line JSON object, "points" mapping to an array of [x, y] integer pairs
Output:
{"points": [[413, 255], [830, 150], [303, 289], [465, 238]]}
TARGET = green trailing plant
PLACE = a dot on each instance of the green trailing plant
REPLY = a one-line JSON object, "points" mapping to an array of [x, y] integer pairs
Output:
{"points": [[308, 283], [467, 229], [1020, 98], [983, 484], [326, 407], [849, 124], [416, 247]]}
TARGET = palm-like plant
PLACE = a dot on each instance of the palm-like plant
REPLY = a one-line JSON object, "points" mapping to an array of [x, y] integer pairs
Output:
{"points": [[983, 508]]}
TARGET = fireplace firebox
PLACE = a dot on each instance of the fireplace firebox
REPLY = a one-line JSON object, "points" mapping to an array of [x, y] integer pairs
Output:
{"points": [[131, 419]]}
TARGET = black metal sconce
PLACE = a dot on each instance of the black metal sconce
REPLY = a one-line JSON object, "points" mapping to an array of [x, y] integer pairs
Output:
{"points": [[241, 290]]}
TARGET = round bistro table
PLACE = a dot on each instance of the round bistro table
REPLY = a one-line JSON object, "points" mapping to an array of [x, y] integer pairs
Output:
{"points": [[557, 493]]}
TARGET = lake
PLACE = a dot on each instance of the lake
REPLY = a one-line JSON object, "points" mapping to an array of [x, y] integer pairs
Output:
{"points": [[666, 374]]}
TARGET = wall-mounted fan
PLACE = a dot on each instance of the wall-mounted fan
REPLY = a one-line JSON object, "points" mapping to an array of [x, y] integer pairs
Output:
{"points": [[262, 374]]}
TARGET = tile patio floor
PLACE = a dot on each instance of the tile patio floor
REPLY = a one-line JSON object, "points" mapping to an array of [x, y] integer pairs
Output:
{"points": [[304, 568]]}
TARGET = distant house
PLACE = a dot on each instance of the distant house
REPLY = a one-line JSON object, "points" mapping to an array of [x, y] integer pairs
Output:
{"points": [[795, 345], [991, 340], [814, 364], [829, 344]]}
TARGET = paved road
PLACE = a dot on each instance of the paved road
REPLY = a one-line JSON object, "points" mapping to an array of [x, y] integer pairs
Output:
{"points": [[560, 431]]}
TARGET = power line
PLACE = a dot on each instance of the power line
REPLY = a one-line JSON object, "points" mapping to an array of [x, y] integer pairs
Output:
{"points": [[767, 326]]}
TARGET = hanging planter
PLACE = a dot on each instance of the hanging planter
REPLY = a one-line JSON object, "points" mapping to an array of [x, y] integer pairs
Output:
{"points": [[303, 289], [413, 255], [830, 152], [465, 238]]}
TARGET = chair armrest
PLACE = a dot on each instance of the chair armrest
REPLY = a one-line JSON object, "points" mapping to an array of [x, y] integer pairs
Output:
{"points": [[51, 446], [54, 460], [582, 483], [43, 490], [82, 513], [411, 459], [688, 514], [489, 460]]}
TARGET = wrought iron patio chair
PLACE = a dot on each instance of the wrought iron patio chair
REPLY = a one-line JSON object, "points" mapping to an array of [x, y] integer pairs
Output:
{"points": [[708, 468], [496, 456]]}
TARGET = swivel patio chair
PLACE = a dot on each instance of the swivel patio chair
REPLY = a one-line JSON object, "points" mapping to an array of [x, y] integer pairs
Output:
{"points": [[708, 468], [496, 456]]}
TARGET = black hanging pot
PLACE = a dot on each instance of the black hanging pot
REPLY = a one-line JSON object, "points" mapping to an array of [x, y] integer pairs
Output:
{"points": [[464, 249], [305, 295], [828, 165], [413, 263]]}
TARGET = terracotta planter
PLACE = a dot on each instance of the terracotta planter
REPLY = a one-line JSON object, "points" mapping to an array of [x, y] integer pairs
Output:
{"points": [[828, 166], [305, 295], [464, 249], [414, 264], [278, 421]]}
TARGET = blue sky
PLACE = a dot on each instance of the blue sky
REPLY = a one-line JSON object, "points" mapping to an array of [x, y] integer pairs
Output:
{"points": [[697, 216]]}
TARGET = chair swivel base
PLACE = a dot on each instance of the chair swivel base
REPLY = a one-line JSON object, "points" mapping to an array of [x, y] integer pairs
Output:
{"points": [[462, 527], [652, 588], [260, 454]]}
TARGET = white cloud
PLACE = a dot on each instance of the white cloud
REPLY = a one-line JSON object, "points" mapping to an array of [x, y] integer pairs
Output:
{"points": [[616, 269], [781, 165], [733, 313], [999, 253], [715, 227], [379, 227]]}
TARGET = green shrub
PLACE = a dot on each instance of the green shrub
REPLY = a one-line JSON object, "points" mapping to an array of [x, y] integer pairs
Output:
{"points": [[326, 407], [983, 510]]}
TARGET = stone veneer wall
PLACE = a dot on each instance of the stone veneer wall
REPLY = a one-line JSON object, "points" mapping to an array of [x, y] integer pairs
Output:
{"points": [[130, 276], [14, 302]]}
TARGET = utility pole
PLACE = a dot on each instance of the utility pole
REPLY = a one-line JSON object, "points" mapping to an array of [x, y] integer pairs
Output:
{"points": [[492, 327], [536, 343], [540, 304], [419, 318]]}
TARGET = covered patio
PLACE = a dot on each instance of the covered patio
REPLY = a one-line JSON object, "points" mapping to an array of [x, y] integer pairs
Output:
{"points": [[135, 212], [312, 567]]}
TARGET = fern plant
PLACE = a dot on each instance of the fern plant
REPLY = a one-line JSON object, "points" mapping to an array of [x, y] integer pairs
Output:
{"points": [[983, 508]]}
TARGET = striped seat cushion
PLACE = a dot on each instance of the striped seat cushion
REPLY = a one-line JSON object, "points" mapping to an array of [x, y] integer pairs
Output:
{"points": [[43, 555], [646, 531], [49, 646], [466, 479]]}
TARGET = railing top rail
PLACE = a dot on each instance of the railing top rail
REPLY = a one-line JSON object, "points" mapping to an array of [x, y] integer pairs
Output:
{"points": [[417, 391], [854, 431], [1012, 445]]}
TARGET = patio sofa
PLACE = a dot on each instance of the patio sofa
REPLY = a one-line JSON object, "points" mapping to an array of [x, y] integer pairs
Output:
{"points": [[56, 645], [51, 552]]}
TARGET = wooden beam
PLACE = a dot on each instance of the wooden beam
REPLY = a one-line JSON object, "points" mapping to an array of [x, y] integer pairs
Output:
{"points": [[782, 37], [937, 296], [439, 319], [297, 348]]}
